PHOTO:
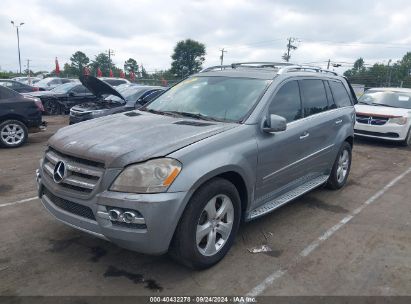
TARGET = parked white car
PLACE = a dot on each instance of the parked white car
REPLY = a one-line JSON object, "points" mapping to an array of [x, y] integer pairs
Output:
{"points": [[385, 113]]}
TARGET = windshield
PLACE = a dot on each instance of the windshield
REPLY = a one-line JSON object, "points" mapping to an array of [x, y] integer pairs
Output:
{"points": [[387, 98], [64, 88], [128, 92], [221, 98], [44, 82]]}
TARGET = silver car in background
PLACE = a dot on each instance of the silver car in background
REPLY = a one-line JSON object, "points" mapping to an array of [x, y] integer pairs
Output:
{"points": [[229, 144]]}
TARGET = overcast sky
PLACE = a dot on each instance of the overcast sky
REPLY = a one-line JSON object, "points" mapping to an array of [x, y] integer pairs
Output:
{"points": [[147, 30]]}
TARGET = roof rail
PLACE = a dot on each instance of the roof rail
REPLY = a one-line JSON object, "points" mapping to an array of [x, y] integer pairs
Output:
{"points": [[216, 67], [283, 67], [306, 68], [260, 64]]}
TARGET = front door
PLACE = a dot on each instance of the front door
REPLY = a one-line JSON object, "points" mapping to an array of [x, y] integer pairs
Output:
{"points": [[281, 155]]}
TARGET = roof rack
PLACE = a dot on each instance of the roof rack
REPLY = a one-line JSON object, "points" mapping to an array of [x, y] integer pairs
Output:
{"points": [[216, 67], [305, 68], [283, 67]]}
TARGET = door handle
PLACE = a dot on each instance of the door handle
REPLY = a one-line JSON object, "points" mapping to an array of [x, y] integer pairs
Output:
{"points": [[304, 135], [338, 122]]}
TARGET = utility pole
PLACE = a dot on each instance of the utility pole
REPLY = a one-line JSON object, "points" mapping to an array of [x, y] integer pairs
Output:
{"points": [[110, 53], [222, 57], [18, 40], [328, 65], [290, 47], [28, 69]]}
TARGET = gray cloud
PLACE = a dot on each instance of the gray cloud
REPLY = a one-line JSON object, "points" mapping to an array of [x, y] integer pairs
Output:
{"points": [[249, 30]]}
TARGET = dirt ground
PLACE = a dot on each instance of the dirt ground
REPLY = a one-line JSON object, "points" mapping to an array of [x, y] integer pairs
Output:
{"points": [[355, 241]]}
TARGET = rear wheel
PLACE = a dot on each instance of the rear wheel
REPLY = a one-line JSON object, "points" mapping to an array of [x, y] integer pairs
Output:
{"points": [[51, 107], [13, 133], [208, 226], [341, 168]]}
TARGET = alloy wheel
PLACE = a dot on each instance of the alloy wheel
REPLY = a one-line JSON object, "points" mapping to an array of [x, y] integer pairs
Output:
{"points": [[343, 165], [215, 225], [12, 134]]}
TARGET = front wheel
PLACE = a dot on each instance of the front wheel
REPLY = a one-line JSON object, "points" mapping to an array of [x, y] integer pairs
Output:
{"points": [[51, 107], [13, 133], [407, 141], [341, 167], [208, 226]]}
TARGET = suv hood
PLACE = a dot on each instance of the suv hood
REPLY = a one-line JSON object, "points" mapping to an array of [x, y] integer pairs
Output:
{"points": [[381, 110], [99, 87], [131, 137]]}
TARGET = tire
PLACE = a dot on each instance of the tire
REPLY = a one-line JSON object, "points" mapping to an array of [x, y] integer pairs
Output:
{"points": [[192, 249], [51, 107], [407, 141], [13, 133], [343, 162]]}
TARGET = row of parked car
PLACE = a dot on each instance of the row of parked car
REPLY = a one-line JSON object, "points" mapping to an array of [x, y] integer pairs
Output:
{"points": [[178, 170], [84, 99]]}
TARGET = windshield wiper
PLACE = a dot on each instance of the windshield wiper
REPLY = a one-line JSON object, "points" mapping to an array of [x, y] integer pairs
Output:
{"points": [[195, 115], [157, 112], [382, 105]]}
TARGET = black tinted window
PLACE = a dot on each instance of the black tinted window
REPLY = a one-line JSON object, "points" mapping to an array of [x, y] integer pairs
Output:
{"points": [[287, 102], [341, 97], [150, 96], [331, 103], [314, 98], [7, 93], [80, 89]]}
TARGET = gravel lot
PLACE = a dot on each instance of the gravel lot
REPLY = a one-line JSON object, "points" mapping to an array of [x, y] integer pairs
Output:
{"points": [[355, 241]]}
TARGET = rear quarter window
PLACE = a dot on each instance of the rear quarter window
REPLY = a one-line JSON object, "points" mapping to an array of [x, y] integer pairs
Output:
{"points": [[340, 94]]}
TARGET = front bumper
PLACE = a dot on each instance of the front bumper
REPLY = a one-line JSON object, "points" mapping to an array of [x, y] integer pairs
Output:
{"points": [[76, 119], [161, 213], [387, 131]]}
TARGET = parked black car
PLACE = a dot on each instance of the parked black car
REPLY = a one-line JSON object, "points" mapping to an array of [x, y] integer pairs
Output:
{"points": [[50, 83], [60, 99], [112, 100], [17, 86], [19, 115]]}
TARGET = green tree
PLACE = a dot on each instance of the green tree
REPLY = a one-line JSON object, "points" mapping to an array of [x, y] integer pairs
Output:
{"points": [[188, 57], [103, 62], [78, 61], [130, 65]]}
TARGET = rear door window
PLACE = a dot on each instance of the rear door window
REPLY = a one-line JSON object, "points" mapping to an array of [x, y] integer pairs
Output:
{"points": [[331, 103], [341, 97], [287, 102], [314, 96]]}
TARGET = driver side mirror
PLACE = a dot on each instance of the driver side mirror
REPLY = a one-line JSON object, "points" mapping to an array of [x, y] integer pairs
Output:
{"points": [[72, 94], [274, 123]]}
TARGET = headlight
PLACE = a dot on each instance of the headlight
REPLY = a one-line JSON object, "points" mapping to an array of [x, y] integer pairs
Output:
{"points": [[153, 176], [398, 120]]}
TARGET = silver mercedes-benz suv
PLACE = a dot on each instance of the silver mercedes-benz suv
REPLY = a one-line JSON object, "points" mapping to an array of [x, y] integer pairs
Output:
{"points": [[226, 145]]}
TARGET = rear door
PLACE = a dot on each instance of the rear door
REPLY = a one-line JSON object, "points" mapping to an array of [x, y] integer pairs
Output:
{"points": [[320, 134]]}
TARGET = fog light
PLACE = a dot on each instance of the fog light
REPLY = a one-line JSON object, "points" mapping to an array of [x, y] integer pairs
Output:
{"points": [[114, 214], [129, 217]]}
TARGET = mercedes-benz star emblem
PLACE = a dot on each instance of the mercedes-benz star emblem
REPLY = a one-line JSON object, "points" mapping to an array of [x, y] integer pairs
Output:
{"points": [[59, 172]]}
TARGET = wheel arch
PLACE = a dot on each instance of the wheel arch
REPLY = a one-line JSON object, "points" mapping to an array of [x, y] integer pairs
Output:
{"points": [[13, 116]]}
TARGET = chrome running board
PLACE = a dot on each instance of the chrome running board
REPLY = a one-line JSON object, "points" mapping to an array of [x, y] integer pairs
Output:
{"points": [[287, 197]]}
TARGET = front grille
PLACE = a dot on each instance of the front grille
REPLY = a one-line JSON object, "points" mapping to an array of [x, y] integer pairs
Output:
{"points": [[388, 135], [82, 175], [69, 206], [372, 120], [79, 113]]}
